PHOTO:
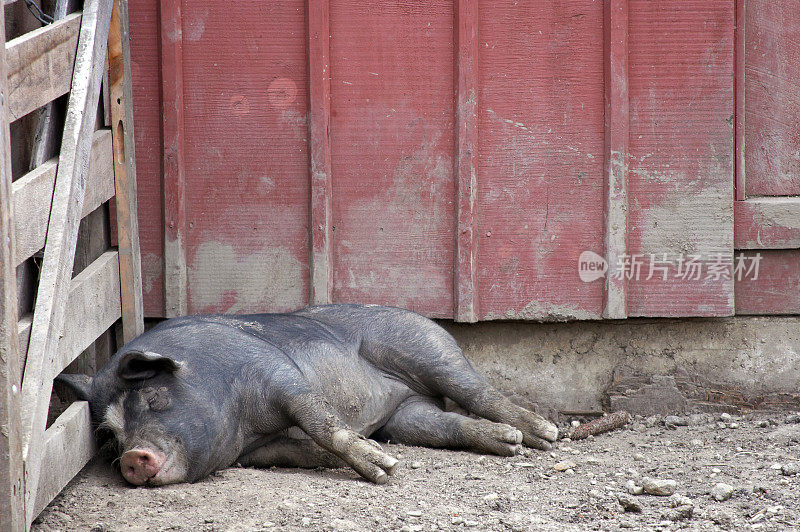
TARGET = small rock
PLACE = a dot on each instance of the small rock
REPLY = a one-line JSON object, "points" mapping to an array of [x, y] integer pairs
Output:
{"points": [[471, 524], [723, 519], [268, 524], [696, 443], [306, 521], [763, 423], [632, 488], [457, 520], [677, 500], [414, 513], [574, 423], [776, 466], [595, 494], [639, 457], [564, 465], [791, 469], [726, 417], [681, 512], [722, 492], [491, 497], [629, 504], [675, 421], [416, 465], [660, 487], [733, 426]]}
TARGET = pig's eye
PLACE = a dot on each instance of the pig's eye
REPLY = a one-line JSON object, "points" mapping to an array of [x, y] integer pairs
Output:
{"points": [[156, 398]]}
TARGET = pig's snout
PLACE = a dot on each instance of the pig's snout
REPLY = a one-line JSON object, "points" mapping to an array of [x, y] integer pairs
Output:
{"points": [[140, 465]]}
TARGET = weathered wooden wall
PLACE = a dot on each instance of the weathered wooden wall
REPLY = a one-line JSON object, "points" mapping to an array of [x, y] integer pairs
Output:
{"points": [[457, 157]]}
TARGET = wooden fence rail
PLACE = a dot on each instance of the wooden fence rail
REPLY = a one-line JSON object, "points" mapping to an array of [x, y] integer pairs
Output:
{"points": [[71, 312]]}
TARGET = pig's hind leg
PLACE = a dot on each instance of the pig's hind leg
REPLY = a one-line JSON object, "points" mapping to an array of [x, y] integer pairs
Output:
{"points": [[425, 354], [420, 421]]}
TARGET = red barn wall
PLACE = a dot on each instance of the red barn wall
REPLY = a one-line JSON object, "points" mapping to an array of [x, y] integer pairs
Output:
{"points": [[457, 157]]}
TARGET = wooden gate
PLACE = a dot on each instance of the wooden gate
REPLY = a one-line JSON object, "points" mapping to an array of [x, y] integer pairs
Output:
{"points": [[94, 165], [458, 157]]}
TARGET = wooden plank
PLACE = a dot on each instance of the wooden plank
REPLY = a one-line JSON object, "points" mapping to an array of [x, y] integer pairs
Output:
{"points": [[466, 301], [12, 487], [617, 131], [319, 86], [739, 51], [93, 305], [46, 139], [774, 290], [121, 97], [772, 82], [767, 223], [174, 172], [69, 445], [49, 313], [540, 158], [247, 156], [28, 192], [40, 65], [146, 70], [681, 170], [392, 118]]}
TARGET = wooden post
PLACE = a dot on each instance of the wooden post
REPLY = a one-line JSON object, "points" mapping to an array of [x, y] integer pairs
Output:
{"points": [[319, 80], [739, 53], [617, 131], [466, 297], [120, 95], [175, 303], [12, 489], [68, 196]]}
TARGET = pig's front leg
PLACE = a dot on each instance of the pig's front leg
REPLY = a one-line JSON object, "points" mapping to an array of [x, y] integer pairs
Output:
{"points": [[290, 452], [313, 414]]}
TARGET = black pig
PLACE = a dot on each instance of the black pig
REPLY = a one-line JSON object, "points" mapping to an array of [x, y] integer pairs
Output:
{"points": [[199, 393]]}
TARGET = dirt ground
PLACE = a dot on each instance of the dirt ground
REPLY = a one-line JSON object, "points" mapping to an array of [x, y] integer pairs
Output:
{"points": [[757, 456]]}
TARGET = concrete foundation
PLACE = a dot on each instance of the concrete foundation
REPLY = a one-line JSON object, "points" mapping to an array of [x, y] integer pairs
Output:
{"points": [[644, 366]]}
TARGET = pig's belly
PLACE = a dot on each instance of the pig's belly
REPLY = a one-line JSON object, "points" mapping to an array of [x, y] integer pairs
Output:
{"points": [[364, 396]]}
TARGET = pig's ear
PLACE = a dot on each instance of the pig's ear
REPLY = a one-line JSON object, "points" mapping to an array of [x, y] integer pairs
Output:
{"points": [[80, 384], [140, 365]]}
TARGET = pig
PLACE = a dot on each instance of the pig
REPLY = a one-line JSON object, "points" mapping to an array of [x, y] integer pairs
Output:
{"points": [[197, 394]]}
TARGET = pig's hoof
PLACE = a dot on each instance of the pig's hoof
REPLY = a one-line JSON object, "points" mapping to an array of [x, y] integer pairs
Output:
{"points": [[493, 438], [366, 457], [537, 432]]}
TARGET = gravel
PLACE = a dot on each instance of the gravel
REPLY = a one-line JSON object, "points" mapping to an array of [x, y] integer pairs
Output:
{"points": [[454, 490]]}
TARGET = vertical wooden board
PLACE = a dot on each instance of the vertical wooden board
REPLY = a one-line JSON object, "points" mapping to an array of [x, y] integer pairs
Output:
{"points": [[466, 178], [120, 102], [540, 158], [776, 287], [12, 469], [772, 85], [246, 155], [681, 154], [392, 121], [146, 81], [319, 132]]}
